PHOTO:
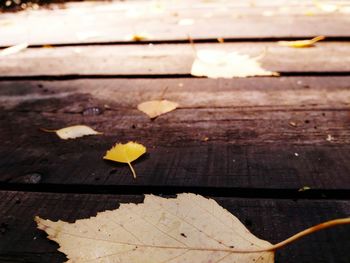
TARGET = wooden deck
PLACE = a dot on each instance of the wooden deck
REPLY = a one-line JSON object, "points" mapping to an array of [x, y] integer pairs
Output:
{"points": [[249, 143]]}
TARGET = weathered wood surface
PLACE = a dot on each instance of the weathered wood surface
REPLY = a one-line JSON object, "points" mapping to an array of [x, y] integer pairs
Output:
{"points": [[169, 59], [256, 138], [273, 220], [256, 133], [161, 21]]}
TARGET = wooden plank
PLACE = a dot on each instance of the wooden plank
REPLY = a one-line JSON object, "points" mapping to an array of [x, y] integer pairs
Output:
{"points": [[168, 59], [273, 220], [118, 20], [228, 133]]}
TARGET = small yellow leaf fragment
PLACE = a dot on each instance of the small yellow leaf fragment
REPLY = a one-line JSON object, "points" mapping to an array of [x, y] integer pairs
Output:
{"points": [[304, 188], [154, 108], [301, 43], [13, 49], [213, 63], [138, 37], [73, 132], [125, 153]]}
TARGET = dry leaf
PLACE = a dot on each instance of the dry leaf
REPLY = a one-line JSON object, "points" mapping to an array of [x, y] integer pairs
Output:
{"points": [[126, 153], [138, 37], [186, 229], [326, 7], [154, 108], [222, 64], [73, 132], [13, 50], [185, 22], [301, 43]]}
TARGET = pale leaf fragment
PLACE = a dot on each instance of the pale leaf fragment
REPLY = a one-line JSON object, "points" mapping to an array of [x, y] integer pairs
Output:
{"points": [[301, 43], [186, 229], [13, 49], [185, 22], [154, 108], [326, 6], [222, 64], [73, 132], [126, 153]]}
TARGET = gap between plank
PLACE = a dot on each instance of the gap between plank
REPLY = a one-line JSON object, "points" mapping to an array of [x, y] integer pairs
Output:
{"points": [[161, 76], [326, 194], [187, 41]]}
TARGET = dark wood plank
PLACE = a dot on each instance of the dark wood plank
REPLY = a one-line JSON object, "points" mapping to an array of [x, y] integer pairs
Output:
{"points": [[273, 220], [169, 59], [228, 133], [115, 21]]}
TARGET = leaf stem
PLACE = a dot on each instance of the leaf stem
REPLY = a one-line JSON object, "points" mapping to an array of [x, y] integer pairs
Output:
{"points": [[47, 130], [308, 231], [132, 170]]}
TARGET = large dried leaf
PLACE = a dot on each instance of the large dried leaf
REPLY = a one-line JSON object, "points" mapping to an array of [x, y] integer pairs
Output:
{"points": [[154, 108], [188, 229], [301, 43], [222, 64], [126, 153], [73, 132]]}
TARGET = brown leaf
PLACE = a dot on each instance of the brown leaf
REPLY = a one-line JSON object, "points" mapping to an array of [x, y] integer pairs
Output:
{"points": [[154, 108]]}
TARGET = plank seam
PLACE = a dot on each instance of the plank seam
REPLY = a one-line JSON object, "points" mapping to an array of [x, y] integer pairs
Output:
{"points": [[272, 193]]}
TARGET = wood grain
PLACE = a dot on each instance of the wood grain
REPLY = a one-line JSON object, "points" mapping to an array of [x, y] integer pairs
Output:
{"points": [[116, 21], [273, 220], [227, 133], [169, 59]]}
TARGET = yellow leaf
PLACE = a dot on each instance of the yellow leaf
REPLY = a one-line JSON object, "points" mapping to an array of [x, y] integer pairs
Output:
{"points": [[154, 108], [13, 50], [222, 64], [301, 43], [186, 229], [73, 132], [126, 153], [138, 37]]}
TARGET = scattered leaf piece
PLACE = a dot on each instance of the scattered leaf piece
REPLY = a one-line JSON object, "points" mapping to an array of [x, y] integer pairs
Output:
{"points": [[329, 138], [301, 43], [154, 108], [304, 188], [222, 64], [13, 49], [293, 124], [326, 7], [186, 229], [138, 37], [126, 153], [73, 132], [185, 22]]}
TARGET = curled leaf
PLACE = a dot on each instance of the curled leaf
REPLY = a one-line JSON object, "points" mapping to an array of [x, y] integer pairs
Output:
{"points": [[154, 108], [222, 64], [73, 132], [13, 49], [126, 153], [301, 43], [186, 229]]}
